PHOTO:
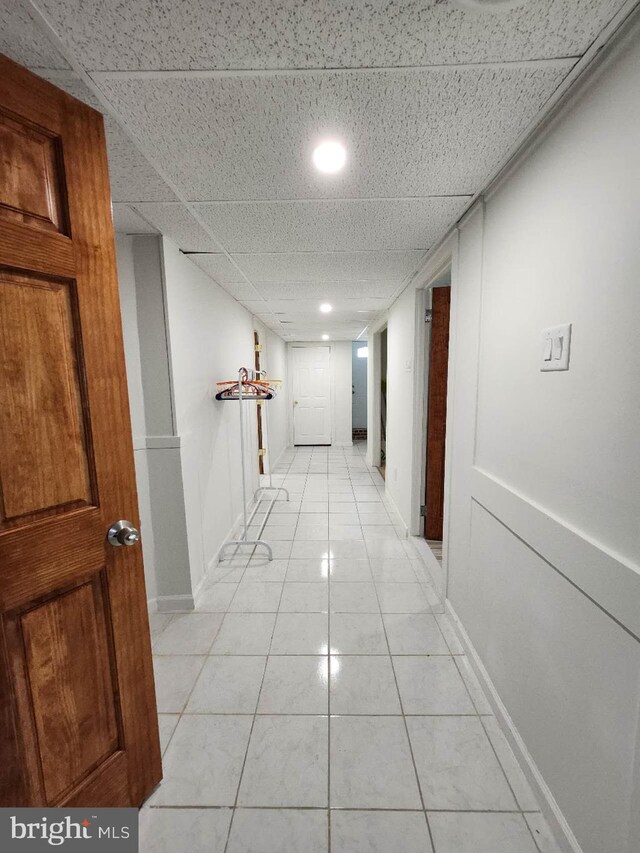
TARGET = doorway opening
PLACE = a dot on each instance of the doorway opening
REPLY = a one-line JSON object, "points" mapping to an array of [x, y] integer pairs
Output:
{"points": [[438, 319], [383, 403], [359, 370]]}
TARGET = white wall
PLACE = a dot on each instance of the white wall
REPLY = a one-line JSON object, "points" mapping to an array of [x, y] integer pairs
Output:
{"points": [[341, 405], [211, 337], [403, 364], [359, 381], [183, 333], [543, 468]]}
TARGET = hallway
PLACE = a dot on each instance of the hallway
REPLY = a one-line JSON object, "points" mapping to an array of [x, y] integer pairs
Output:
{"points": [[385, 252], [262, 728]]}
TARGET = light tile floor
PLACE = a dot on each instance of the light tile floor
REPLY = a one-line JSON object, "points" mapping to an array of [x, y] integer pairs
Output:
{"points": [[321, 702]]}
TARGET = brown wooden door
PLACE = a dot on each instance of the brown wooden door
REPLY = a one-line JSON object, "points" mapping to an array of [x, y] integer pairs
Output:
{"points": [[437, 412], [78, 721]]}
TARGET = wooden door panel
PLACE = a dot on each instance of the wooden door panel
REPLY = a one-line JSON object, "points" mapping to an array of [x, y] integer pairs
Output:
{"points": [[69, 666], [107, 784], [42, 419], [78, 722], [48, 549], [31, 179]]}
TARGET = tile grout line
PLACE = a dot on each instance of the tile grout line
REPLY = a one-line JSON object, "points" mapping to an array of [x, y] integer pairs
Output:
{"points": [[406, 728], [193, 687], [253, 722], [233, 810]]}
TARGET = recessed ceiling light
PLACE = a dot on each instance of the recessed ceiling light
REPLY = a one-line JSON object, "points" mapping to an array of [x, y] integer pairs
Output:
{"points": [[329, 157], [325, 308], [325, 337]]}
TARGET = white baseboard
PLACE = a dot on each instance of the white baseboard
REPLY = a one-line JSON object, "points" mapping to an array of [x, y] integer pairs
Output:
{"points": [[341, 444], [152, 605], [177, 603], [389, 500], [434, 567], [561, 830]]}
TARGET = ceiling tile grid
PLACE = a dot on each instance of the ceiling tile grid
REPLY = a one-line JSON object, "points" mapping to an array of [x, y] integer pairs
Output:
{"points": [[335, 225], [408, 133], [329, 266], [225, 106]]}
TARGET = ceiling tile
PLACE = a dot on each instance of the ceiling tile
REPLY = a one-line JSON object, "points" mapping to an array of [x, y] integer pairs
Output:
{"points": [[329, 266], [23, 41], [340, 225], [310, 307], [218, 266], [133, 178], [315, 34], [127, 221], [240, 290], [327, 289], [177, 222], [408, 133]]}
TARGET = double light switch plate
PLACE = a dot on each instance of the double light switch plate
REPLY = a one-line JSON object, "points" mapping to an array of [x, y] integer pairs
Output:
{"points": [[556, 343]]}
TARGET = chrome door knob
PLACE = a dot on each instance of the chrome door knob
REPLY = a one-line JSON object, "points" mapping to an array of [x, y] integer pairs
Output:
{"points": [[122, 533]]}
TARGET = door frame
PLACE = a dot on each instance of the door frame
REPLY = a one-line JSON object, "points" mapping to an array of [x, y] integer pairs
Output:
{"points": [[374, 397], [332, 392], [445, 259]]}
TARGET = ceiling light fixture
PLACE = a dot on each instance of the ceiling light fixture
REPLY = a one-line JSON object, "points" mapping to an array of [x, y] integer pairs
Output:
{"points": [[326, 308], [329, 157], [325, 337]]}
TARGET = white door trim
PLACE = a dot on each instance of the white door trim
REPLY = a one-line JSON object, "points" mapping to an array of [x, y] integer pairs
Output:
{"points": [[445, 257]]}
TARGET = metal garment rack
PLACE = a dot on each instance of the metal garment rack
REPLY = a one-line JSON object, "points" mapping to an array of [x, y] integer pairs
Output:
{"points": [[236, 393]]}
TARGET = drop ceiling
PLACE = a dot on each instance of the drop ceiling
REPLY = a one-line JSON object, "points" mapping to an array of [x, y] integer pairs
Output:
{"points": [[213, 109]]}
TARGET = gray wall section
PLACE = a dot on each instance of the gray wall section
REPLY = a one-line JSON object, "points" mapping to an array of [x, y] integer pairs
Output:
{"points": [[152, 331], [129, 313]]}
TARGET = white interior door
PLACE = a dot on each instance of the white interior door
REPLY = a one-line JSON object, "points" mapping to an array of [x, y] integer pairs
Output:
{"points": [[311, 395]]}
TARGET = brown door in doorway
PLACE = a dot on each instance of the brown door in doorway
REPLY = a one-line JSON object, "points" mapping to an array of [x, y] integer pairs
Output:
{"points": [[261, 450], [437, 412], [78, 724]]}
